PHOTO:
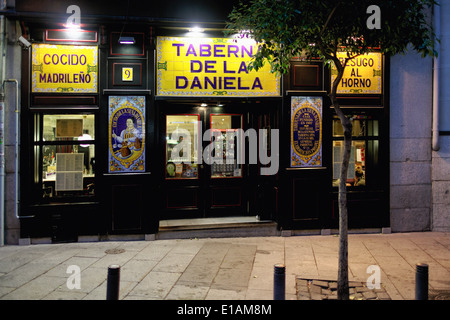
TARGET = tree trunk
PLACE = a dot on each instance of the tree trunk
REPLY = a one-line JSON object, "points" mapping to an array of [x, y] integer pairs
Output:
{"points": [[342, 285]]}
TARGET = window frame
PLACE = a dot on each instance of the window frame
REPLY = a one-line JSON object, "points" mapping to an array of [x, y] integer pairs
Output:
{"points": [[371, 159], [38, 144]]}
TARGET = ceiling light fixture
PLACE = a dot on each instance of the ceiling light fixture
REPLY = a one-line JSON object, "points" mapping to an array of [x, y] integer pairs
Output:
{"points": [[196, 30], [126, 40]]}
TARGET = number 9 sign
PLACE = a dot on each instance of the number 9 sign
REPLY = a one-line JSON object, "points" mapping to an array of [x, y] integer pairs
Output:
{"points": [[127, 74]]}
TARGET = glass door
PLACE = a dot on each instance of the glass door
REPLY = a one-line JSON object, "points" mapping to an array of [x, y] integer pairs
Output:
{"points": [[226, 191], [181, 165]]}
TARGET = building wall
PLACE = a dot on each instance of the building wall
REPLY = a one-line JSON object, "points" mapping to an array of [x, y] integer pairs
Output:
{"points": [[410, 142], [12, 71], [420, 177], [441, 186], [440, 174]]}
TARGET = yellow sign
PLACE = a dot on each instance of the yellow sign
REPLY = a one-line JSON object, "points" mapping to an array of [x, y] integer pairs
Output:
{"points": [[211, 67], [64, 68], [362, 75], [127, 74]]}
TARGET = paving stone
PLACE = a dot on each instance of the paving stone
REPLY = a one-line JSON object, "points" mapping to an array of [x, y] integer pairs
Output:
{"points": [[383, 296], [369, 295], [358, 292], [316, 296], [361, 289], [326, 291], [315, 289], [320, 283]]}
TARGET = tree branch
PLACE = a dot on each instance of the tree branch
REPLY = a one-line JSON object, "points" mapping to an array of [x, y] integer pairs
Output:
{"points": [[329, 18]]}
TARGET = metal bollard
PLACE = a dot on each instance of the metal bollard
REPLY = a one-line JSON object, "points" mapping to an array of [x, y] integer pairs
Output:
{"points": [[421, 281], [112, 285], [279, 282]]}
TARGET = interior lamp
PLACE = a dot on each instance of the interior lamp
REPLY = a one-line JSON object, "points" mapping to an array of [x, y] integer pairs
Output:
{"points": [[126, 40]]}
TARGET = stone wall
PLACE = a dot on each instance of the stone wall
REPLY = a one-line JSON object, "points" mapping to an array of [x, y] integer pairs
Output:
{"points": [[410, 142]]}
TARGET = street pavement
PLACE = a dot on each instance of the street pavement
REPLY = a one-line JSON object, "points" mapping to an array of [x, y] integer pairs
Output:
{"points": [[218, 269]]}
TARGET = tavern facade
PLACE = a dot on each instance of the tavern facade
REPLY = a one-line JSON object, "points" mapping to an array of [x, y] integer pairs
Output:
{"points": [[131, 126]]}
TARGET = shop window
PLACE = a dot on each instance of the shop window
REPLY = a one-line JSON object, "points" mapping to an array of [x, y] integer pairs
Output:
{"points": [[364, 150], [65, 155], [182, 146], [224, 134]]}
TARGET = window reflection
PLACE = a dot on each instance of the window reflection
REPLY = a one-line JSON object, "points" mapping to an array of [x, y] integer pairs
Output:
{"points": [[182, 146], [68, 169], [224, 136], [365, 135]]}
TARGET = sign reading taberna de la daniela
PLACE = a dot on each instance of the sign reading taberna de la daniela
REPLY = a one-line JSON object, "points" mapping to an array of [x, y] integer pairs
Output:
{"points": [[211, 67], [64, 68]]}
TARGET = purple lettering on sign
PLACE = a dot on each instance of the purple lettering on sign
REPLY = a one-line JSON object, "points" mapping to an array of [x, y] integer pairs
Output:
{"points": [[205, 50], [228, 83], [83, 59], [257, 84], [225, 68], [45, 58], [218, 50], [249, 53], [196, 83], [199, 63], [243, 67], [178, 45], [211, 83], [240, 87], [63, 55], [233, 49], [209, 66], [177, 82], [191, 50]]}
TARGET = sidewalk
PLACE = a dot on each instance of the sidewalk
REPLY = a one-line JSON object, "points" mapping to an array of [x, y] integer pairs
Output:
{"points": [[216, 269]]}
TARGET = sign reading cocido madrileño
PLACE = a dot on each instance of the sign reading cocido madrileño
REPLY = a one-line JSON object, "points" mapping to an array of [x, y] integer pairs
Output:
{"points": [[211, 67], [64, 68]]}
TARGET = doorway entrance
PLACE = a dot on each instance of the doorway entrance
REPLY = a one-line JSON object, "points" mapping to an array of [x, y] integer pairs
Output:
{"points": [[205, 157]]}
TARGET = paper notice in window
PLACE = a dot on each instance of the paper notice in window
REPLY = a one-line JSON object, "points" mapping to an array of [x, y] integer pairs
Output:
{"points": [[68, 181], [69, 171], [69, 161], [66, 128]]}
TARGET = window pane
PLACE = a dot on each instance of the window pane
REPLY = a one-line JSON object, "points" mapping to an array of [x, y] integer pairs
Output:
{"points": [[69, 127], [357, 164], [68, 170], [224, 137], [182, 146], [362, 125]]}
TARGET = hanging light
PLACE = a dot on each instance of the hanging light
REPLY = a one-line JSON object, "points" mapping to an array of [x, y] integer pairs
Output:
{"points": [[126, 40]]}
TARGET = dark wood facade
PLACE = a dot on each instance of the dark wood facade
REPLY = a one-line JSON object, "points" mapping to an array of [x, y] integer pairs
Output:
{"points": [[134, 203]]}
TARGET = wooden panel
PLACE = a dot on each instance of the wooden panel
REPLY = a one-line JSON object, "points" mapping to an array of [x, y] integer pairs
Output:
{"points": [[182, 198], [306, 199], [64, 35], [64, 100], [306, 76], [127, 207], [226, 197]]}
